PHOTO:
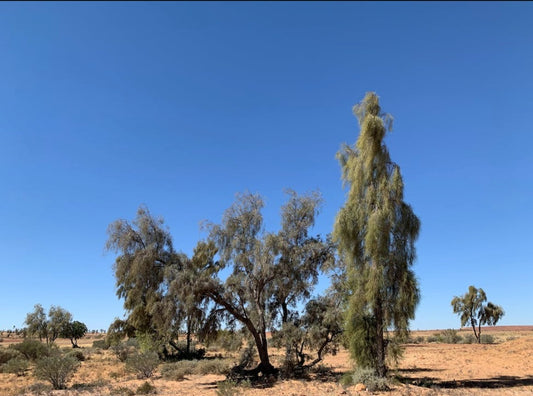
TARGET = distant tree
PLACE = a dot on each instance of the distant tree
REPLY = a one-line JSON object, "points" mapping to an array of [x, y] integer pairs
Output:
{"points": [[471, 309], [37, 323], [74, 331], [269, 272], [375, 232], [58, 320]]}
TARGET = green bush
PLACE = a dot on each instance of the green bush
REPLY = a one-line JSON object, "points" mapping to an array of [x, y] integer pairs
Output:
{"points": [[450, 336], [32, 349], [6, 354], [102, 344], [123, 350], [56, 369], [367, 377], [178, 370], [144, 364], [227, 388], [469, 339], [487, 339], [77, 354], [433, 338], [146, 389], [17, 366], [174, 372]]}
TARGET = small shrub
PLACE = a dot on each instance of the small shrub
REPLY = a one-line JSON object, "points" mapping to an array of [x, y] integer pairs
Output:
{"points": [[434, 338], [146, 389], [56, 369], [77, 354], [16, 366], [212, 366], [32, 349], [227, 388], [175, 371], [487, 339], [7, 354], [469, 339], [450, 336], [367, 377], [101, 344], [144, 364]]}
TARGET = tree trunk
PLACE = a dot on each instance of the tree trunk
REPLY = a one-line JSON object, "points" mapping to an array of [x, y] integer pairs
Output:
{"points": [[189, 335], [381, 369]]}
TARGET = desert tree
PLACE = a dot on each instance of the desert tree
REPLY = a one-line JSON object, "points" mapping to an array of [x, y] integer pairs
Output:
{"points": [[58, 320], [37, 323], [74, 331], [472, 309], [375, 231], [144, 270], [257, 290], [48, 327]]}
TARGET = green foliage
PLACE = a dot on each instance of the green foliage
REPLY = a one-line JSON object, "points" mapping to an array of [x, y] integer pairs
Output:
{"points": [[143, 364], [178, 370], [124, 349], [17, 366], [487, 339], [450, 336], [471, 310], [367, 377], [375, 232], [6, 354], [146, 389], [56, 369], [227, 340], [78, 355], [74, 331], [228, 388], [101, 344], [31, 349]]}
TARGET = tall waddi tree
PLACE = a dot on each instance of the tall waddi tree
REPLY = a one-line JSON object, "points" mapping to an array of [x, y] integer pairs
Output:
{"points": [[375, 231], [269, 273]]}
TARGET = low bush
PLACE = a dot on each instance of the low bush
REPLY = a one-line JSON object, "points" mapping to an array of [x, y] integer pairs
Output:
{"points": [[123, 350], [178, 370], [77, 354], [146, 388], [101, 344], [450, 336], [56, 369], [367, 377], [17, 366], [487, 339], [469, 339], [143, 364], [6, 354], [32, 349]]}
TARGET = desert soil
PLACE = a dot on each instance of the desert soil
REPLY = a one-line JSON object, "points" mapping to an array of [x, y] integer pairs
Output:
{"points": [[503, 368]]}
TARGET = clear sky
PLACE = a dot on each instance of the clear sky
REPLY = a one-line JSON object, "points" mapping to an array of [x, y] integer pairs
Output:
{"points": [[179, 106]]}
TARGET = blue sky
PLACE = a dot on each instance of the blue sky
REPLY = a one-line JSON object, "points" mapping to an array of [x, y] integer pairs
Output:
{"points": [[181, 105]]}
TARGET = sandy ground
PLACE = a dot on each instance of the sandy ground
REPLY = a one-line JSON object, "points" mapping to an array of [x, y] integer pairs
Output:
{"points": [[504, 368]]}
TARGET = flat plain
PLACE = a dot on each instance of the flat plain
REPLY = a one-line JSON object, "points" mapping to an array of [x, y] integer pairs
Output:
{"points": [[502, 368]]}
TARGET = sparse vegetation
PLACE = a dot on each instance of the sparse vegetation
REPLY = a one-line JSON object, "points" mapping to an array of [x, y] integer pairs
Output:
{"points": [[17, 366], [56, 369], [143, 363], [146, 389]]}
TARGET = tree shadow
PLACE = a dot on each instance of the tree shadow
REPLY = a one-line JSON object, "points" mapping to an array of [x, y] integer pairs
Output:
{"points": [[503, 381]]}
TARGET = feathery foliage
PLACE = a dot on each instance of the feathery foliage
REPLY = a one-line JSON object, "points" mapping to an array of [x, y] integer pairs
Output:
{"points": [[375, 232], [471, 309]]}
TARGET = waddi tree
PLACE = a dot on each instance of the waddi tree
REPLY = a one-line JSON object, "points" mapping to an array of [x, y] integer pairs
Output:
{"points": [[375, 231]]}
